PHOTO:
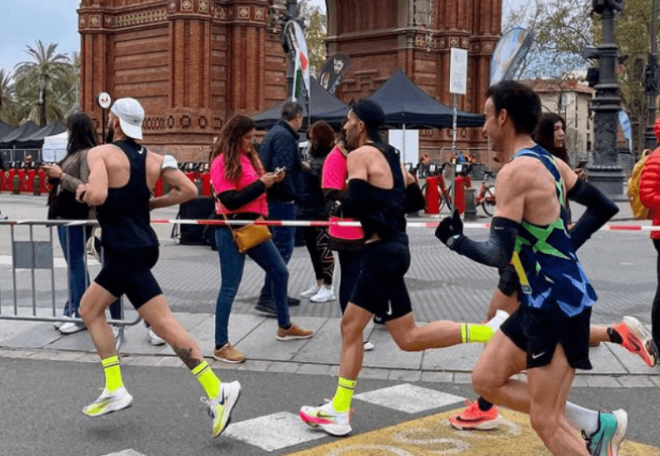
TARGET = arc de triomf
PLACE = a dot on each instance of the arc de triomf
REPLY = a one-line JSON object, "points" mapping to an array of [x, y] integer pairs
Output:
{"points": [[195, 63]]}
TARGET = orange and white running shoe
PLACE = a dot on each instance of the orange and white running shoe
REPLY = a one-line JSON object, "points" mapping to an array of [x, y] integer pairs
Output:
{"points": [[637, 340], [473, 418]]}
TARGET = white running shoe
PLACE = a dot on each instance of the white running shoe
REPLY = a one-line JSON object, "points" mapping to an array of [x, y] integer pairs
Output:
{"points": [[71, 327], [326, 418], [153, 338], [499, 318], [325, 294], [310, 292], [368, 346], [220, 407], [109, 402]]}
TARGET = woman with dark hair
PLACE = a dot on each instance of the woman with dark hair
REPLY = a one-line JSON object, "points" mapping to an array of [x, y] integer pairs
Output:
{"points": [[550, 134], [65, 177], [240, 184], [312, 207]]}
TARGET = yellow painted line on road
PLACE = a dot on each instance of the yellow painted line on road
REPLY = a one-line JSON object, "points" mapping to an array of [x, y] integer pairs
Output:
{"points": [[433, 436]]}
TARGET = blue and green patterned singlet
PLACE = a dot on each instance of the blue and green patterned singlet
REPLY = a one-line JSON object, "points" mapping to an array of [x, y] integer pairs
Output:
{"points": [[547, 266]]}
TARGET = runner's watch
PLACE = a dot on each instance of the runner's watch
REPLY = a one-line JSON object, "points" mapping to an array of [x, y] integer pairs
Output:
{"points": [[452, 240]]}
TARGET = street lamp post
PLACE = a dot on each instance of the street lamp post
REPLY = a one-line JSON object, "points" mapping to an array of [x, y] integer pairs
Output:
{"points": [[606, 173], [651, 81], [42, 102]]}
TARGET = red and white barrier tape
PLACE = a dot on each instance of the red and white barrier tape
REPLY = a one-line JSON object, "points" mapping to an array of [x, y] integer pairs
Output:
{"points": [[296, 223]]}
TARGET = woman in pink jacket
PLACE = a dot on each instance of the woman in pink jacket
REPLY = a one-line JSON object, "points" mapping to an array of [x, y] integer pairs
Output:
{"points": [[240, 185]]}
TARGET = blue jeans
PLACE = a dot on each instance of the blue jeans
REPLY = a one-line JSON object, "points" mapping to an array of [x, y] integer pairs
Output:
{"points": [[283, 238], [72, 240], [231, 272]]}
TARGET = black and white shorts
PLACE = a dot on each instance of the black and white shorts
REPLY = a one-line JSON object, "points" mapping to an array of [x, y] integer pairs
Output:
{"points": [[537, 332], [380, 287], [129, 272]]}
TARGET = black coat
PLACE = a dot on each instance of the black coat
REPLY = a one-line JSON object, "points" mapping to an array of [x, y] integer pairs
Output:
{"points": [[279, 148]]}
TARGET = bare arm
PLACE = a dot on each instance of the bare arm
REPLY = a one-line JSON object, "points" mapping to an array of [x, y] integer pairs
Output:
{"points": [[182, 189], [95, 191]]}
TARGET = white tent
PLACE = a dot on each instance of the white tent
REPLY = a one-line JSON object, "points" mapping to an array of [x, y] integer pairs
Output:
{"points": [[54, 148]]}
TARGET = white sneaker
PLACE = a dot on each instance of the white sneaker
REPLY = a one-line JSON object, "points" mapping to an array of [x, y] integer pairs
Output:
{"points": [[325, 294], [115, 331], [499, 318], [220, 406], [109, 402], [58, 325], [310, 292], [71, 327], [368, 346], [326, 418], [153, 338]]}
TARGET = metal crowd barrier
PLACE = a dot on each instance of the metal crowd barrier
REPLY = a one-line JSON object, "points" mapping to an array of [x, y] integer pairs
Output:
{"points": [[34, 288]]}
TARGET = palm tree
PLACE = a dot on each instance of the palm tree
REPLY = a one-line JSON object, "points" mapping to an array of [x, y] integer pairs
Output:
{"points": [[48, 74], [8, 106]]}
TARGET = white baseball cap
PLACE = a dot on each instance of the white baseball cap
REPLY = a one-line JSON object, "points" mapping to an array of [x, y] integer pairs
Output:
{"points": [[131, 116]]}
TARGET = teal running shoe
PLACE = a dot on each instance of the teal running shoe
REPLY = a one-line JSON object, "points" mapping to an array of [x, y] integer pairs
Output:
{"points": [[611, 431]]}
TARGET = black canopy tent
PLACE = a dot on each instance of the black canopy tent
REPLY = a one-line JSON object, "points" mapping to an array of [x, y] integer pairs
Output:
{"points": [[324, 107], [5, 129], [8, 140], [406, 105], [35, 140]]}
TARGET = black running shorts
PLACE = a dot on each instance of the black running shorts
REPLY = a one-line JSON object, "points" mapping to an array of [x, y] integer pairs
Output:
{"points": [[380, 287], [537, 332], [129, 272]]}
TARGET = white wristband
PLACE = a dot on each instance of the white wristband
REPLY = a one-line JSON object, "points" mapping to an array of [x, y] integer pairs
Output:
{"points": [[169, 162]]}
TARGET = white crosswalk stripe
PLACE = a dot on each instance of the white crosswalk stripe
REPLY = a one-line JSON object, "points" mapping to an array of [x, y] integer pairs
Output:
{"points": [[126, 453], [409, 398], [283, 429], [272, 432]]}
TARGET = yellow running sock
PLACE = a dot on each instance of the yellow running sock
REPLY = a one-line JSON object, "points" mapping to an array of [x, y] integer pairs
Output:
{"points": [[207, 378], [474, 333], [342, 400], [112, 371]]}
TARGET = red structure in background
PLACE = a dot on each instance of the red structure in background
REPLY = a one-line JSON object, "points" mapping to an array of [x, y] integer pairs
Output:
{"points": [[195, 63]]}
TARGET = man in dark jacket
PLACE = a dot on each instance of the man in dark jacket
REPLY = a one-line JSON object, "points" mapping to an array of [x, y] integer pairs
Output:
{"points": [[279, 149]]}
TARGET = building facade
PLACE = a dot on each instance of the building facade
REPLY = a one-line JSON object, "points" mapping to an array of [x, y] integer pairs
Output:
{"points": [[195, 63], [571, 99]]}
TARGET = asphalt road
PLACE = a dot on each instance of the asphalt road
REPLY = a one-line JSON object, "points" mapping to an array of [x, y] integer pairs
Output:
{"points": [[40, 403]]}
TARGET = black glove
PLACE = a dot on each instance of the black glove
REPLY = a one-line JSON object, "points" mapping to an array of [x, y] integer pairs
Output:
{"points": [[337, 209], [449, 227]]}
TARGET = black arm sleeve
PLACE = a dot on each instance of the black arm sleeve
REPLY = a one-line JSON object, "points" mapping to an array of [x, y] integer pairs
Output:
{"points": [[600, 209], [357, 203], [497, 250], [235, 199], [414, 199]]}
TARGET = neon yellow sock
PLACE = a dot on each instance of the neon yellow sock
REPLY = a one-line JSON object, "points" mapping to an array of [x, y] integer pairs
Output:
{"points": [[342, 400], [474, 333], [112, 371], [207, 378]]}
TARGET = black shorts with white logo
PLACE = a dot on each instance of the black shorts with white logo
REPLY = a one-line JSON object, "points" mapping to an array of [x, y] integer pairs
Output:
{"points": [[380, 287], [537, 332], [129, 272]]}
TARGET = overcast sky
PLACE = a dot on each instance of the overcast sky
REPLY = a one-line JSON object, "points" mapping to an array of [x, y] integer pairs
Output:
{"points": [[23, 22]]}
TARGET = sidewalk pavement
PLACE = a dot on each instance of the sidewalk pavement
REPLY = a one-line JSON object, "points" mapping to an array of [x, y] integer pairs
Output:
{"points": [[254, 334]]}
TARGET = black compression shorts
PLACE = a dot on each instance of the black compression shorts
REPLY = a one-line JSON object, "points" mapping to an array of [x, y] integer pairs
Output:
{"points": [[380, 287], [537, 332], [129, 272]]}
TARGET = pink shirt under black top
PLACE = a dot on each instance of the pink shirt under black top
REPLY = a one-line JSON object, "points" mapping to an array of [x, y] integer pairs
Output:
{"points": [[222, 184], [334, 177]]}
